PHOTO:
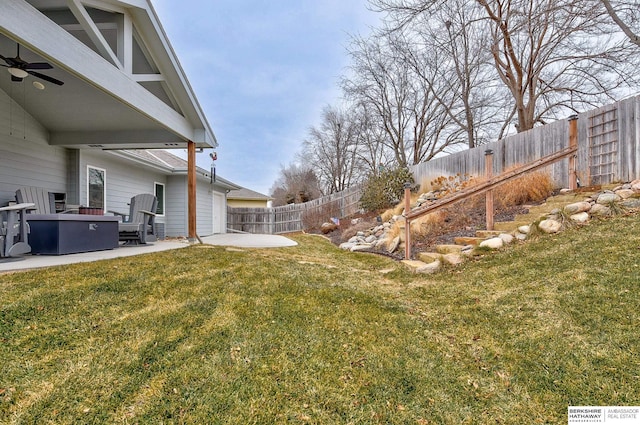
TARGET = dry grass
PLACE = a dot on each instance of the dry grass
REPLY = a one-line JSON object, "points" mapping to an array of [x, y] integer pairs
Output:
{"points": [[530, 188]]}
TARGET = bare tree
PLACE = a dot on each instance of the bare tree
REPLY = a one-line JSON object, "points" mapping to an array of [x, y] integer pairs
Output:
{"points": [[296, 184], [553, 56], [627, 17], [398, 98], [372, 151], [332, 149]]}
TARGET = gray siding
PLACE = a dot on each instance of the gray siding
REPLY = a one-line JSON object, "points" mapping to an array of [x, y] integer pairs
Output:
{"points": [[26, 159], [204, 208], [177, 220], [176, 206], [124, 179]]}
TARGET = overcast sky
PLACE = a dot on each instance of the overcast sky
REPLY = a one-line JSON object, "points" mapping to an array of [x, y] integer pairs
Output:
{"points": [[262, 71]]}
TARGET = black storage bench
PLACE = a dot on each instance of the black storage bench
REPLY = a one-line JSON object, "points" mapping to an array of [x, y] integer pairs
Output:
{"points": [[57, 234]]}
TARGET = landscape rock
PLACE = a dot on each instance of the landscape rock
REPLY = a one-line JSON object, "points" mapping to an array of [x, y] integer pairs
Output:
{"points": [[631, 203], [428, 257], [493, 243], [625, 193], [581, 217], [347, 245], [635, 185], [521, 236], [506, 238], [600, 210], [524, 229], [453, 259], [607, 198], [577, 207], [430, 268], [448, 249], [550, 226], [360, 247], [394, 244]]}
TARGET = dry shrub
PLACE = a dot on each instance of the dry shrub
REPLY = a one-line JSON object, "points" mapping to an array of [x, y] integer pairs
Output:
{"points": [[398, 209], [313, 218], [531, 187], [387, 215], [428, 223]]}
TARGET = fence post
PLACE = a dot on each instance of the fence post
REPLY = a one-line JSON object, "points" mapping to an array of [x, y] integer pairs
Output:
{"points": [[488, 171], [573, 143], [407, 223]]}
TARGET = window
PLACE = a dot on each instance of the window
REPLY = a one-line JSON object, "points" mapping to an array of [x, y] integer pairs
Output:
{"points": [[96, 193], [159, 192]]}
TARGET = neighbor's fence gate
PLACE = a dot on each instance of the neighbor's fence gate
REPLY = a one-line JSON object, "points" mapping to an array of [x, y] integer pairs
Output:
{"points": [[290, 218]]}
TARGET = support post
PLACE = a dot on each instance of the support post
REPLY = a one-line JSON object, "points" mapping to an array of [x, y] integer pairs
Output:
{"points": [[488, 171], [407, 223], [191, 189], [573, 143]]}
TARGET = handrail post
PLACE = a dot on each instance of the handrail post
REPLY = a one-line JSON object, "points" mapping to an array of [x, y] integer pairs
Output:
{"points": [[488, 171], [573, 143], [407, 222]]}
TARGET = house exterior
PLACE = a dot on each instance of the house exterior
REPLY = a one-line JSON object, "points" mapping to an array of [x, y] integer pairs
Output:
{"points": [[165, 175], [114, 85], [247, 198]]}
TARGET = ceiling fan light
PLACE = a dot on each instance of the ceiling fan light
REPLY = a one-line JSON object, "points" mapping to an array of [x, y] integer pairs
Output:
{"points": [[18, 73]]}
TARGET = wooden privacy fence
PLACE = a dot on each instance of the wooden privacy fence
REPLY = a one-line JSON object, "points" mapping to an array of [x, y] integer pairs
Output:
{"points": [[608, 149], [291, 218]]}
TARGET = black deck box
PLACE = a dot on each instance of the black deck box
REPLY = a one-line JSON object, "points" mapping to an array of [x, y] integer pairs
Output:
{"points": [[58, 234]]}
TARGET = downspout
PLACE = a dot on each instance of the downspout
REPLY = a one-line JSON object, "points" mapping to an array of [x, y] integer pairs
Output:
{"points": [[191, 190]]}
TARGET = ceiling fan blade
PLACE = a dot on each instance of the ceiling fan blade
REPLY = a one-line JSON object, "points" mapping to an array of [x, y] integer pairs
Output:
{"points": [[38, 65], [46, 78]]}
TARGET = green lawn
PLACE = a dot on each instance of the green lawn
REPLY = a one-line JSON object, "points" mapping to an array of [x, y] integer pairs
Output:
{"points": [[312, 334]]}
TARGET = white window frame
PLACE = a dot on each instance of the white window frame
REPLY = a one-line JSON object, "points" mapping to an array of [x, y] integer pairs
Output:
{"points": [[164, 197], [104, 189]]}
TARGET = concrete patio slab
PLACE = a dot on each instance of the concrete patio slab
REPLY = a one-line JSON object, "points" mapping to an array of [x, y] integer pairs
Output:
{"points": [[244, 240], [28, 261]]}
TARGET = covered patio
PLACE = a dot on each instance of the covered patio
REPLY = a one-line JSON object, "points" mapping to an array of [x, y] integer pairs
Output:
{"points": [[112, 82]]}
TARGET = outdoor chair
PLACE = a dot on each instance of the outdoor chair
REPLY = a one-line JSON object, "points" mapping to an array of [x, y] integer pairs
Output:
{"points": [[43, 200], [138, 227], [13, 230]]}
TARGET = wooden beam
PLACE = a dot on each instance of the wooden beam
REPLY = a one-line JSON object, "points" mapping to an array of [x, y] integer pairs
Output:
{"points": [[407, 222], [488, 170], [573, 143], [492, 183], [191, 189]]}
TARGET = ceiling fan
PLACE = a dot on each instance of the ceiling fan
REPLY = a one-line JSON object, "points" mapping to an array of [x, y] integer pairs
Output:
{"points": [[19, 68]]}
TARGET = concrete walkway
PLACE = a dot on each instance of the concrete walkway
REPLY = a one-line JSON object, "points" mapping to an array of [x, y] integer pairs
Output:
{"points": [[229, 239]]}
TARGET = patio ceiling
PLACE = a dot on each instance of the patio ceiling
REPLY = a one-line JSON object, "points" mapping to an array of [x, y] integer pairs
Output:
{"points": [[123, 86]]}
